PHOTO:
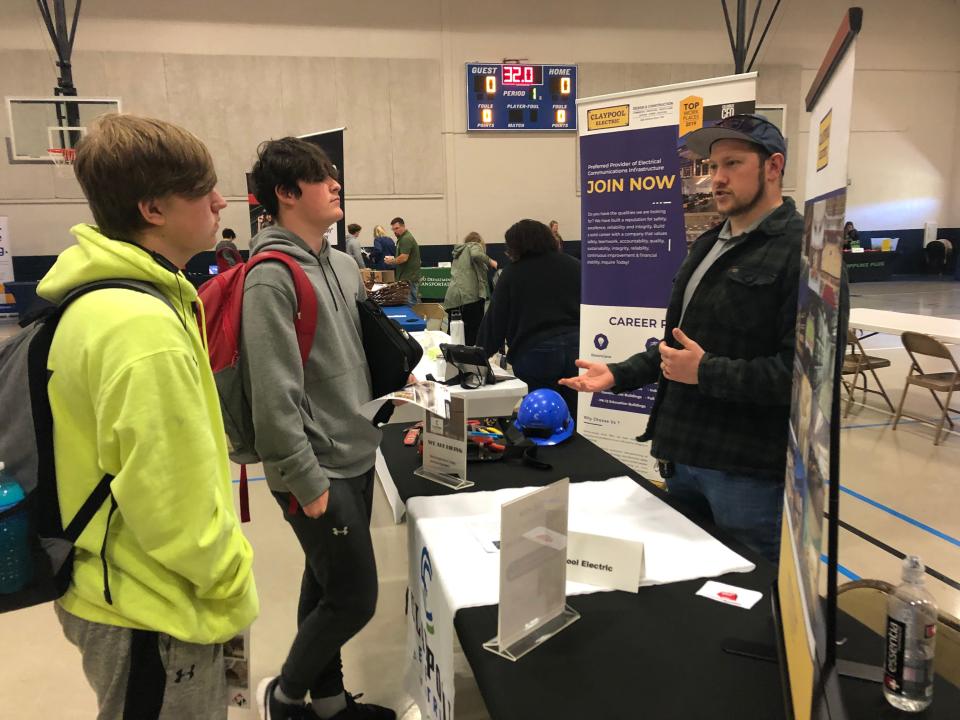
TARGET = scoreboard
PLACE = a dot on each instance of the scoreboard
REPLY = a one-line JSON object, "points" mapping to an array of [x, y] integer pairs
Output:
{"points": [[521, 97]]}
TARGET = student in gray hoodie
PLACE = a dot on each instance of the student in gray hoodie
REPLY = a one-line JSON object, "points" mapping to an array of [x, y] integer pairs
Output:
{"points": [[317, 450]]}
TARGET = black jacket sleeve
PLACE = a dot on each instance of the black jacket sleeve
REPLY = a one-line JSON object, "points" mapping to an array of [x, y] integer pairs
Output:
{"points": [[493, 329], [637, 370]]}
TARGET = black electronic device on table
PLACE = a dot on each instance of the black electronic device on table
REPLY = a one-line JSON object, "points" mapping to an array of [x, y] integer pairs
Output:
{"points": [[471, 363]]}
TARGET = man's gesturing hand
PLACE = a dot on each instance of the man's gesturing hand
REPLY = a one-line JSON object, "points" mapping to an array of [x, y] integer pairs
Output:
{"points": [[598, 377]]}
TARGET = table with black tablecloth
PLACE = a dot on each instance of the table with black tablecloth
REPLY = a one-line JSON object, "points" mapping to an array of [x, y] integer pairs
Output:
{"points": [[657, 653], [579, 459], [870, 265]]}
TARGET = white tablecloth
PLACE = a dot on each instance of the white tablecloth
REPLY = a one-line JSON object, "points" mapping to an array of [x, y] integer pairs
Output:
{"points": [[450, 569]]}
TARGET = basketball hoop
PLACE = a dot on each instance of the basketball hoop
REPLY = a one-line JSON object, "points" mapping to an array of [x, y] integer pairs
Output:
{"points": [[62, 157]]}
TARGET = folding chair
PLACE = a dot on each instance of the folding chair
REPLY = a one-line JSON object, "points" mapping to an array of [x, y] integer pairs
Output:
{"points": [[856, 362], [942, 382], [431, 311]]}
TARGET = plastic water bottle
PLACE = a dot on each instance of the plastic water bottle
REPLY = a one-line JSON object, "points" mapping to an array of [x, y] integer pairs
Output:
{"points": [[15, 564], [911, 635]]}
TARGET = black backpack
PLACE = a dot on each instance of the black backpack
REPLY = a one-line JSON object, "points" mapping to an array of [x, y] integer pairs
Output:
{"points": [[391, 352], [26, 448]]}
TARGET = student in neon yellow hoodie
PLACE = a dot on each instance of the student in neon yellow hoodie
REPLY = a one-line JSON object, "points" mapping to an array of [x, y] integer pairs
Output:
{"points": [[133, 396]]}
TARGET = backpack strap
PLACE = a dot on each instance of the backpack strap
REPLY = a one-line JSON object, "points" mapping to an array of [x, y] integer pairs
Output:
{"points": [[244, 495], [101, 492], [89, 508], [305, 325], [305, 321], [43, 417], [142, 286]]}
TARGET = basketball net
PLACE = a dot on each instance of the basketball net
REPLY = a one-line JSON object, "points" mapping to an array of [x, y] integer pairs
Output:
{"points": [[62, 159]]}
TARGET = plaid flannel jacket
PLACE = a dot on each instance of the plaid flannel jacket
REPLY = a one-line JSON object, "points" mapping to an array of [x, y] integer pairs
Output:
{"points": [[742, 314]]}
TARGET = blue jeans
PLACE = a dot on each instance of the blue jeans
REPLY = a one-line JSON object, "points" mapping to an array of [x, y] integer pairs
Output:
{"points": [[542, 365], [748, 508], [414, 294]]}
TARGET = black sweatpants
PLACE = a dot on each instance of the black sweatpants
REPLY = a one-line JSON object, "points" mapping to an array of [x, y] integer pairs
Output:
{"points": [[338, 593]]}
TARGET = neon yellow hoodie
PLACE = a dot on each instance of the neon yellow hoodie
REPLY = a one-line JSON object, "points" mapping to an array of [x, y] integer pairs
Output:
{"points": [[132, 395]]}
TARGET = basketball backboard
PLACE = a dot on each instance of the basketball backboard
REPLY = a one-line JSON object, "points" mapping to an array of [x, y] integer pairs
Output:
{"points": [[41, 124]]}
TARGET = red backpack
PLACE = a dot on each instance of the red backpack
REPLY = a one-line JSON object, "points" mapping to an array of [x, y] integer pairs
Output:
{"points": [[222, 298]]}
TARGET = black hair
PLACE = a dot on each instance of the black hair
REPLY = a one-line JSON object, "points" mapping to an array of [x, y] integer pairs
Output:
{"points": [[282, 163], [228, 234], [528, 238], [397, 220], [353, 228]]}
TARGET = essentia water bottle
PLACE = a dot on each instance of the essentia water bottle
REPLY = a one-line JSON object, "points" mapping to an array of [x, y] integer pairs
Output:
{"points": [[15, 564], [911, 635]]}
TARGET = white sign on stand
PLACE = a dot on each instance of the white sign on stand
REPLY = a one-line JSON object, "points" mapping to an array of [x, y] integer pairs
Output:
{"points": [[445, 446], [533, 571], [607, 562]]}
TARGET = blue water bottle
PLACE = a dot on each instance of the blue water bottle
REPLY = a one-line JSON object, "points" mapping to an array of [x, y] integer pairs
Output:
{"points": [[15, 564]]}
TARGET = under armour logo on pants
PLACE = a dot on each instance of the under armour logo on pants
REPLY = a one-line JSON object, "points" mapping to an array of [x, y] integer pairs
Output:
{"points": [[188, 674], [345, 530]]}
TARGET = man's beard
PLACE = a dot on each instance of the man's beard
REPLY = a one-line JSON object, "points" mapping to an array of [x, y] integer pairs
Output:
{"points": [[744, 208]]}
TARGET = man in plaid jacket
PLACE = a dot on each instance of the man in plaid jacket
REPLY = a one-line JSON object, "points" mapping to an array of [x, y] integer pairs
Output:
{"points": [[719, 423]]}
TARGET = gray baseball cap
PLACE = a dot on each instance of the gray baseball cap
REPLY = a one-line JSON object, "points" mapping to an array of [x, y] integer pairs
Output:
{"points": [[754, 129]]}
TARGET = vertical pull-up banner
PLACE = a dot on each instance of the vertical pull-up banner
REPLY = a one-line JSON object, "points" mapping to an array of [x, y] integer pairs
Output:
{"points": [[7, 306], [813, 439], [643, 199]]}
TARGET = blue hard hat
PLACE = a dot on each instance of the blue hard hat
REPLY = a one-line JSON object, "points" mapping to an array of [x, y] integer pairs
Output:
{"points": [[544, 418]]}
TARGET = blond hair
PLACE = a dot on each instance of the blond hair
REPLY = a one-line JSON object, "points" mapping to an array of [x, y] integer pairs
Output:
{"points": [[380, 231], [125, 159], [474, 237]]}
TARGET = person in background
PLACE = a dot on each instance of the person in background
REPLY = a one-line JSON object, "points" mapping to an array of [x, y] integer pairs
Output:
{"points": [[536, 309], [469, 288], [383, 247], [407, 259], [851, 238], [353, 244], [228, 240], [162, 575], [555, 229], [226, 251]]}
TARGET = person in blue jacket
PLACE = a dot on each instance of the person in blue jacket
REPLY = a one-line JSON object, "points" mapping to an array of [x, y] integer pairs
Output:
{"points": [[383, 246]]}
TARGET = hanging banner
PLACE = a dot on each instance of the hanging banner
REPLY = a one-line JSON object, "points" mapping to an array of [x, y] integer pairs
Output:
{"points": [[644, 199], [803, 541], [7, 306]]}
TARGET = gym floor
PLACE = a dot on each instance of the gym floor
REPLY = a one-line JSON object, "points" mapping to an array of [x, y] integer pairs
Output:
{"points": [[899, 491]]}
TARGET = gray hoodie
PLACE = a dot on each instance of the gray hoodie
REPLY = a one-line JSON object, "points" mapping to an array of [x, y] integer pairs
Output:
{"points": [[306, 420]]}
